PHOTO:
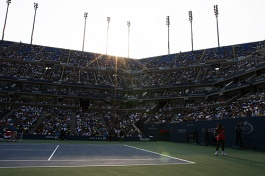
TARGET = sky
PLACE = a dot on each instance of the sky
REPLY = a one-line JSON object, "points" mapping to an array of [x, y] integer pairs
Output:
{"points": [[60, 24]]}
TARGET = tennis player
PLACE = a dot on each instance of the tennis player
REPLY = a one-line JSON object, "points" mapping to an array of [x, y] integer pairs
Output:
{"points": [[220, 138]]}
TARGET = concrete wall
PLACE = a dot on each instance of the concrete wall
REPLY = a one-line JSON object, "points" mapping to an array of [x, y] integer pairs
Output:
{"points": [[253, 131]]}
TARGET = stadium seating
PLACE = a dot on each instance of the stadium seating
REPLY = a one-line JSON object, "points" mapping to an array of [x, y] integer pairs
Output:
{"points": [[173, 88]]}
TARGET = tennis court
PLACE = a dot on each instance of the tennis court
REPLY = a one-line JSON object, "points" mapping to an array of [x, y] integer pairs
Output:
{"points": [[15, 155]]}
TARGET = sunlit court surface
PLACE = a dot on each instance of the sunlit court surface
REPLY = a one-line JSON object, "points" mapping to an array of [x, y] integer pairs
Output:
{"points": [[16, 155]]}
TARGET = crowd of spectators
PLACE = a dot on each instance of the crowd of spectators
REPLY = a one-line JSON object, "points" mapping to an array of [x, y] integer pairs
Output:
{"points": [[95, 122], [251, 105], [155, 78], [121, 124], [23, 118], [54, 121], [90, 123], [65, 70]]}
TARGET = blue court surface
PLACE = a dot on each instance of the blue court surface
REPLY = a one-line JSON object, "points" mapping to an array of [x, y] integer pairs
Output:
{"points": [[14, 155]]}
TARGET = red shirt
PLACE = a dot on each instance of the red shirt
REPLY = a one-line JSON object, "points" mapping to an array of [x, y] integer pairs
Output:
{"points": [[220, 133]]}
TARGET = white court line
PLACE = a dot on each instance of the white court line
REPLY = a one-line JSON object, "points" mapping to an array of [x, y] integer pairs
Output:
{"points": [[82, 160], [24, 150], [53, 152], [159, 154], [96, 165]]}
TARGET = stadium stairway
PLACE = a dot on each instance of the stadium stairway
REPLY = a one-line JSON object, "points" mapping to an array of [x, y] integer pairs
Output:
{"points": [[73, 123], [39, 121], [136, 128], [6, 115]]}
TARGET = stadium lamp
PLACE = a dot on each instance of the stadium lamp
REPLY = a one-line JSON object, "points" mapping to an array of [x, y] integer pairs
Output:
{"points": [[85, 15], [7, 2], [36, 5], [191, 18], [168, 23], [216, 12]]}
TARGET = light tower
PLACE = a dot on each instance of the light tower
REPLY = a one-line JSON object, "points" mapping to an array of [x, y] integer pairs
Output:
{"points": [[168, 23], [85, 15], [35, 7], [128, 24], [216, 12], [191, 18], [108, 20], [7, 2]]}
